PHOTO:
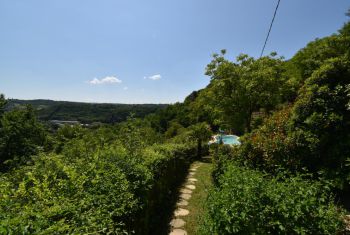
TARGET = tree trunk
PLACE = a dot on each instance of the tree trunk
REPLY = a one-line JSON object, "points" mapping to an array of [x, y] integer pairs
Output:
{"points": [[199, 149], [248, 121]]}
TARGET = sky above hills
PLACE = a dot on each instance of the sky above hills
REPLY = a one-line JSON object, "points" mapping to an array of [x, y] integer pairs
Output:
{"points": [[151, 51]]}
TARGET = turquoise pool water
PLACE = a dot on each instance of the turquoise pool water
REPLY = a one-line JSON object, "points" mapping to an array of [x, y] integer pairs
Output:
{"points": [[228, 139]]}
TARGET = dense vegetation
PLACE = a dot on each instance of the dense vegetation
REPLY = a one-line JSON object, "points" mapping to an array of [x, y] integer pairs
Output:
{"points": [[109, 180], [85, 112], [251, 202], [293, 161], [295, 152]]}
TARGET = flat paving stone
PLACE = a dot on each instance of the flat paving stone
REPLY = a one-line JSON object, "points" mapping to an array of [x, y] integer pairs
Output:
{"points": [[185, 196], [191, 173], [192, 179], [347, 222], [185, 190], [182, 203], [181, 212], [193, 169], [190, 186], [178, 232], [177, 223]]}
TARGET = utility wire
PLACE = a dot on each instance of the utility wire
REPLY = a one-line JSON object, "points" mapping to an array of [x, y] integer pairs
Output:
{"points": [[268, 34]]}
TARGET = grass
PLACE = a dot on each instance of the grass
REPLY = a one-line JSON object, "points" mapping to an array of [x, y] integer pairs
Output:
{"points": [[196, 204]]}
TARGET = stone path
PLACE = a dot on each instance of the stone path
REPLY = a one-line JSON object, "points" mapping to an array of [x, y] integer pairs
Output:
{"points": [[347, 222], [179, 216]]}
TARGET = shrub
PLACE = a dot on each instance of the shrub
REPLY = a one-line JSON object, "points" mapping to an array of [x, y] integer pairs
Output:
{"points": [[320, 120], [221, 155], [93, 188], [249, 202], [313, 133], [90, 196], [271, 147], [21, 135]]}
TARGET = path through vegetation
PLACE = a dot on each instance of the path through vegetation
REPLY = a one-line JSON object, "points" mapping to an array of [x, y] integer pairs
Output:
{"points": [[193, 193]]}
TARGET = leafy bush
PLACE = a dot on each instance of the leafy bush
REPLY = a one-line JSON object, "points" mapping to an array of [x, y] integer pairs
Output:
{"points": [[97, 184], [320, 120], [312, 57], [270, 147], [221, 155], [311, 134], [21, 135], [249, 202], [90, 196]]}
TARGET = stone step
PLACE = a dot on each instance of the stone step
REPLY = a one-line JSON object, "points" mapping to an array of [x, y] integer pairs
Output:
{"points": [[185, 196], [190, 186], [185, 190], [178, 232], [181, 212], [177, 223], [182, 203]]}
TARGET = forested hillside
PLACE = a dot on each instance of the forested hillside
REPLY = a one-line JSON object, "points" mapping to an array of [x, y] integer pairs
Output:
{"points": [[289, 175], [85, 112]]}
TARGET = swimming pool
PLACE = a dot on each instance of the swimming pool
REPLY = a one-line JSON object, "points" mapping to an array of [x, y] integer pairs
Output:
{"points": [[227, 139]]}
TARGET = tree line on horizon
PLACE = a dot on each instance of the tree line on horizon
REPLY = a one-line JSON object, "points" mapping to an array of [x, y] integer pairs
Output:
{"points": [[85, 113]]}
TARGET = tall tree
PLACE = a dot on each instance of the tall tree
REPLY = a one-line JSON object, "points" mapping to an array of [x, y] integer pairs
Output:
{"points": [[2, 104], [21, 135], [241, 88], [321, 118], [201, 132], [312, 57]]}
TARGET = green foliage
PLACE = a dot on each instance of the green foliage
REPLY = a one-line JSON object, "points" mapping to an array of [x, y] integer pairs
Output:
{"points": [[106, 180], [249, 202], [270, 147], [312, 134], [86, 112], [66, 133], [90, 196], [2, 104], [317, 52], [119, 179], [239, 89], [321, 118], [136, 134], [164, 118], [201, 133], [21, 135], [221, 155], [174, 130]]}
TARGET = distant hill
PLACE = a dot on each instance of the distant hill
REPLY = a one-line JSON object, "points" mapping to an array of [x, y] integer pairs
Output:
{"points": [[85, 112]]}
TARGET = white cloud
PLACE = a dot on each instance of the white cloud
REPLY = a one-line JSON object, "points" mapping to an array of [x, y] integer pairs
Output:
{"points": [[106, 80], [153, 77]]}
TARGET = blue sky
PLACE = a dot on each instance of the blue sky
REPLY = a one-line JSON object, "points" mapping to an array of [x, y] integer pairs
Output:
{"points": [[136, 51]]}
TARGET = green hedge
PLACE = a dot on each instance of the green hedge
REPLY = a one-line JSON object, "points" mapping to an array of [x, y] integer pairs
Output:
{"points": [[79, 192], [247, 201], [89, 196], [169, 164]]}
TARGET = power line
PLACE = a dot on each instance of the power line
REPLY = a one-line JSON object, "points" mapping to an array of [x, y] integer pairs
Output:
{"points": [[268, 34]]}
